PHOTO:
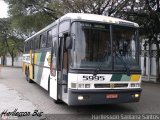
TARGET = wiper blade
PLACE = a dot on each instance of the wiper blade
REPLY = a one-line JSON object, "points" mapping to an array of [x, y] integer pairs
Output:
{"points": [[124, 63], [98, 68]]}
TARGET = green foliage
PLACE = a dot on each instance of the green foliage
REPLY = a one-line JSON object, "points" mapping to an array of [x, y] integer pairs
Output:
{"points": [[29, 16], [3, 48], [146, 13], [10, 43], [13, 47], [31, 23]]}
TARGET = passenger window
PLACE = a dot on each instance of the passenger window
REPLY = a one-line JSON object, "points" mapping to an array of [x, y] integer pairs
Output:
{"points": [[43, 42], [49, 39], [25, 47], [64, 26], [37, 43], [34, 44], [54, 30], [29, 42]]}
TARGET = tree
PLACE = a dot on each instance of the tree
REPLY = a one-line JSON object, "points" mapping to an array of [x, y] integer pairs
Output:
{"points": [[3, 36], [13, 48], [147, 14], [101, 7], [3, 52], [10, 43], [29, 16]]}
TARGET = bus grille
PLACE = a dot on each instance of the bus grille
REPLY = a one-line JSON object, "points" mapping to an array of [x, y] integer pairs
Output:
{"points": [[111, 85]]}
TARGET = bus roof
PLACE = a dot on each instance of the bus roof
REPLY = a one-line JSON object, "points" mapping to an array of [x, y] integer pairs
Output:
{"points": [[88, 17], [98, 18]]}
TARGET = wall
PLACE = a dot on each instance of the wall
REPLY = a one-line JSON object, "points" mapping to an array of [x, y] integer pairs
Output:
{"points": [[17, 61]]}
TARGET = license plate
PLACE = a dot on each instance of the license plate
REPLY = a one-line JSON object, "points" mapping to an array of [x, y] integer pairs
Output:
{"points": [[111, 96]]}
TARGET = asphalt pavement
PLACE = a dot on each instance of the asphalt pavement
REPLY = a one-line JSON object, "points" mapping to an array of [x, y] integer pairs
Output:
{"points": [[17, 94]]}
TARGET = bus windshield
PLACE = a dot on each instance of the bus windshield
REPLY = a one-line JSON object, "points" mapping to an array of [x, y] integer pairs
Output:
{"points": [[124, 47], [92, 47]]}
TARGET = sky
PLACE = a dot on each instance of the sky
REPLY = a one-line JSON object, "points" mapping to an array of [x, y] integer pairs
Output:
{"points": [[3, 9]]}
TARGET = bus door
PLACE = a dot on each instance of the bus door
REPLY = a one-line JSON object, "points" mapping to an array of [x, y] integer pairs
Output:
{"points": [[63, 72], [54, 70]]}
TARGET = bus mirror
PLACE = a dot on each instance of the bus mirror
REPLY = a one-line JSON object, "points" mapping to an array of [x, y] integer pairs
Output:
{"points": [[68, 43]]}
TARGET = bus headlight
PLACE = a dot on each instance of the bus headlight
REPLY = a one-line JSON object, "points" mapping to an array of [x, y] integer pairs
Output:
{"points": [[87, 85], [132, 84], [80, 97], [136, 95], [135, 85], [138, 85], [81, 85], [73, 85]]}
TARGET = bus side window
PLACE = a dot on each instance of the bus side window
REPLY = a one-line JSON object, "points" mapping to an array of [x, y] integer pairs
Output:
{"points": [[43, 42], [49, 38], [36, 43], [32, 44], [54, 30], [39, 42], [64, 26], [25, 46]]}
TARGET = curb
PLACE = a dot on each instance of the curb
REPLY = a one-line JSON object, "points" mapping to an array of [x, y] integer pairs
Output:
{"points": [[152, 82], [12, 66]]}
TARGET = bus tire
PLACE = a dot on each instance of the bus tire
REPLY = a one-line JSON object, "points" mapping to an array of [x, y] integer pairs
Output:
{"points": [[26, 73], [49, 85], [27, 76], [58, 101]]}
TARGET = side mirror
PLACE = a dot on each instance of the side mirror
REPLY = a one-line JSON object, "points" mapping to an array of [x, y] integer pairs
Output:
{"points": [[68, 42]]}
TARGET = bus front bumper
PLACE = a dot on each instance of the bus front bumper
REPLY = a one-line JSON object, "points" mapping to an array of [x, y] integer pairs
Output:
{"points": [[95, 97]]}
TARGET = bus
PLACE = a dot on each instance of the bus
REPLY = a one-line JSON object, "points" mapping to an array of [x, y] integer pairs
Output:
{"points": [[86, 59]]}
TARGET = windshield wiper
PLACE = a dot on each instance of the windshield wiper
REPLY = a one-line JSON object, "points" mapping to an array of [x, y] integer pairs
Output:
{"points": [[98, 68], [124, 63]]}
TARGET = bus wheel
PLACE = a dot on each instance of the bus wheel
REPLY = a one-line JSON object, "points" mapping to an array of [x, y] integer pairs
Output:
{"points": [[27, 77], [58, 101], [49, 85], [26, 73]]}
